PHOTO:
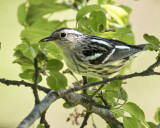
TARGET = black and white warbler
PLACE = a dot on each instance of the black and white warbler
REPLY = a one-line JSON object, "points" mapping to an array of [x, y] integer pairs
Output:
{"points": [[91, 55]]}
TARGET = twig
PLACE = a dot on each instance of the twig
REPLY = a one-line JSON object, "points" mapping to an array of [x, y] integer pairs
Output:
{"points": [[35, 87], [85, 81], [43, 120], [86, 117], [97, 90]]}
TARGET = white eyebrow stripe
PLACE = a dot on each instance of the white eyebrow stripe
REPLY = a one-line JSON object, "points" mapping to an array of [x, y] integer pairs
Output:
{"points": [[72, 31], [101, 42], [122, 47], [107, 58], [93, 57]]}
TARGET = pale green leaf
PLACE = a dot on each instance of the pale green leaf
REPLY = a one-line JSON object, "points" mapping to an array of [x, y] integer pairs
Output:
{"points": [[46, 7], [85, 10], [40, 29], [117, 13], [27, 75]]}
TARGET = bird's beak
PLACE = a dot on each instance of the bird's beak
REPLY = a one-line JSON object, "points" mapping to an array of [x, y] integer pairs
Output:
{"points": [[49, 38]]}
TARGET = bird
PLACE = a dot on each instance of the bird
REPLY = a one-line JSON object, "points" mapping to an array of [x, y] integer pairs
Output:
{"points": [[93, 56]]}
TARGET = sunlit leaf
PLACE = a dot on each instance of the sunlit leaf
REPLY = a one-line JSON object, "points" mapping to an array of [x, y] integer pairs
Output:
{"points": [[126, 8], [117, 13], [46, 7], [56, 81], [85, 10], [41, 28]]}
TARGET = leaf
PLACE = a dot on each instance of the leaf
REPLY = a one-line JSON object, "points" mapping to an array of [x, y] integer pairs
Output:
{"points": [[56, 81], [22, 14], [130, 122], [157, 115], [52, 50], [54, 65], [68, 106], [152, 125], [117, 13], [23, 61], [39, 29], [126, 8], [152, 39], [85, 10], [118, 112], [135, 111], [98, 20], [36, 2], [40, 126], [27, 74], [46, 7], [91, 79]]}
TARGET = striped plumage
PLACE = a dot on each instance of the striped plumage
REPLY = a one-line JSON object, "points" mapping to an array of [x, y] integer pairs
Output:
{"points": [[91, 55]]}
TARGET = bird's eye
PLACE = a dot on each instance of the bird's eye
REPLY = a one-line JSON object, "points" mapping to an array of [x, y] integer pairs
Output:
{"points": [[63, 34]]}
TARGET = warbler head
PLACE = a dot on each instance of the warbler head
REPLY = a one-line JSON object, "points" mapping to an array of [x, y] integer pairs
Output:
{"points": [[63, 37]]}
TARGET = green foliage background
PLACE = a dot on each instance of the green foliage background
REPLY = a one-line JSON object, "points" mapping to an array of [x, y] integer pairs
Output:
{"points": [[41, 28]]}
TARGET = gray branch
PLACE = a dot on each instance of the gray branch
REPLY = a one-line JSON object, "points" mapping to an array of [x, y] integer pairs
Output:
{"points": [[52, 96], [39, 109]]}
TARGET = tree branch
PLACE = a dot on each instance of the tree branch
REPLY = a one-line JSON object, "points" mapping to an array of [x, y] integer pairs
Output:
{"points": [[86, 117], [76, 99], [36, 75], [39, 109]]}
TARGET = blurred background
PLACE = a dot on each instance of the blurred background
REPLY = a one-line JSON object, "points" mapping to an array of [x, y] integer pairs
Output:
{"points": [[17, 102]]}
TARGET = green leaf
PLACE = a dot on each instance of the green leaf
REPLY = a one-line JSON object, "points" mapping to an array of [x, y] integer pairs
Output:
{"points": [[118, 112], [157, 115], [22, 14], [117, 13], [126, 8], [27, 74], [56, 81], [36, 2], [130, 122], [135, 111], [46, 7], [152, 39], [68, 106], [152, 125], [39, 78], [98, 20], [40, 126], [91, 79], [151, 47], [52, 50], [41, 28], [85, 10], [23, 61], [54, 65]]}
